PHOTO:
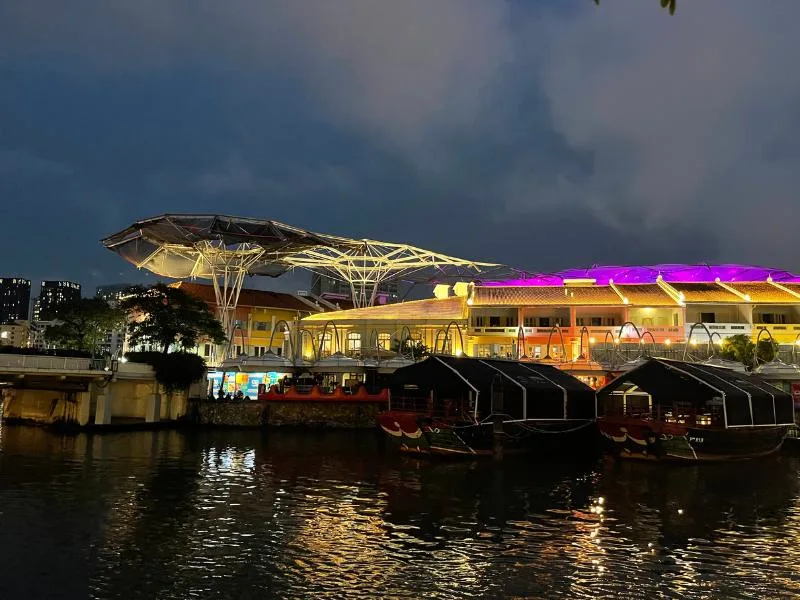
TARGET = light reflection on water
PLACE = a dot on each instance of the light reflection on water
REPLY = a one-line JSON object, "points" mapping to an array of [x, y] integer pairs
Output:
{"points": [[246, 514]]}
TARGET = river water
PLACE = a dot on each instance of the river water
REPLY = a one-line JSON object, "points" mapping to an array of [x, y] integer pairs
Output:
{"points": [[234, 514]]}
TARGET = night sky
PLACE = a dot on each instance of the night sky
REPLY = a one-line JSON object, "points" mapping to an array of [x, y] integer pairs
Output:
{"points": [[539, 134]]}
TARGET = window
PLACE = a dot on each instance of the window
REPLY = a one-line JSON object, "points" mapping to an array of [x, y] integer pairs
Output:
{"points": [[480, 321], [354, 342], [262, 326], [708, 317], [385, 341], [238, 350], [511, 321], [259, 350], [206, 349], [238, 324], [544, 321], [324, 344], [597, 321], [529, 322], [494, 321]]}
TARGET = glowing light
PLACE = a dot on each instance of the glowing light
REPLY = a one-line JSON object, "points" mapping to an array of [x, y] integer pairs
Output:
{"points": [[601, 500], [693, 342], [616, 340], [667, 342], [469, 301], [123, 359], [680, 511], [459, 353], [648, 274], [592, 341], [747, 297]]}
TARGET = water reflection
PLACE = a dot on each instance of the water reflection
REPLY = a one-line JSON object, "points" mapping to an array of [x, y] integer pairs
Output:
{"points": [[247, 514]]}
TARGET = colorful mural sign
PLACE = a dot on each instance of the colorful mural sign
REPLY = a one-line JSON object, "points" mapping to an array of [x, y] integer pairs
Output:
{"points": [[246, 382]]}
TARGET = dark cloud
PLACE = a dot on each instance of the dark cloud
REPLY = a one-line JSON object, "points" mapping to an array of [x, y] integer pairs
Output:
{"points": [[541, 136]]}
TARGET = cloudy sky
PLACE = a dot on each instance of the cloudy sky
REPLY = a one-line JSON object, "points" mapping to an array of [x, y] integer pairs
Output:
{"points": [[541, 134]]}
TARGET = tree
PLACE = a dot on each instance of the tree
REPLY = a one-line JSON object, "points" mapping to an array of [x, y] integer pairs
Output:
{"points": [[83, 324], [742, 349], [668, 4], [165, 316]]}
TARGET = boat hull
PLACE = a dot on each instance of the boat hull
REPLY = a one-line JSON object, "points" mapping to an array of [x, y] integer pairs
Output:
{"points": [[420, 435], [652, 440]]}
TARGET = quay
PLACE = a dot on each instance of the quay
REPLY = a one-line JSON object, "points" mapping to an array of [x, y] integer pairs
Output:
{"points": [[80, 392]]}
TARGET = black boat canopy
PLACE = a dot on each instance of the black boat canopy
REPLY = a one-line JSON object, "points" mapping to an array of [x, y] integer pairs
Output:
{"points": [[529, 390], [747, 400]]}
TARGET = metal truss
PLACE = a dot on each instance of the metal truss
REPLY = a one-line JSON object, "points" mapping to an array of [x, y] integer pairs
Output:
{"points": [[365, 264]]}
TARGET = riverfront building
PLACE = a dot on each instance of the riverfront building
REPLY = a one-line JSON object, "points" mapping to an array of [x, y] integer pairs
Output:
{"points": [[563, 317]]}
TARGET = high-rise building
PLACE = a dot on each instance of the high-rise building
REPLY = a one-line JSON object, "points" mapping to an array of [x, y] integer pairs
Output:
{"points": [[52, 296], [115, 338], [15, 299]]}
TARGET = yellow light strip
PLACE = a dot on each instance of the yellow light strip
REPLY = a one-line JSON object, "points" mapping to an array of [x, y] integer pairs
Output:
{"points": [[725, 286], [616, 289], [671, 291], [783, 288]]}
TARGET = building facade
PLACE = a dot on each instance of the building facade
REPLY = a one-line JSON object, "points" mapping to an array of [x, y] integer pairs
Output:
{"points": [[578, 315], [15, 334], [15, 299], [52, 296], [259, 323]]}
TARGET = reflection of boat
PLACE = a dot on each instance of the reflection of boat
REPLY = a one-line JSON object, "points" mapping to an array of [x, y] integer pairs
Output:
{"points": [[468, 406], [667, 409]]}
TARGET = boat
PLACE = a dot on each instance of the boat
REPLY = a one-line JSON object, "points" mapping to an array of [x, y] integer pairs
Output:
{"points": [[668, 410], [471, 407]]}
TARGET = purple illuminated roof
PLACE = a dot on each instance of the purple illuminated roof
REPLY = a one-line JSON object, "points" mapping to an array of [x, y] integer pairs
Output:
{"points": [[671, 273]]}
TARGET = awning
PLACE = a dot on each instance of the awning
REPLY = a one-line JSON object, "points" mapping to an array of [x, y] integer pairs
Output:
{"points": [[529, 390], [748, 399]]}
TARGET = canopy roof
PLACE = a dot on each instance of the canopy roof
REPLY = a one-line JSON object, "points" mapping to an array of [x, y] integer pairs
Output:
{"points": [[747, 399], [181, 246], [226, 248], [530, 390]]}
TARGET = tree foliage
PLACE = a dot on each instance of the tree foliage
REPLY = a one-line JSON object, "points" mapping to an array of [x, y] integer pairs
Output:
{"points": [[174, 371], [165, 316], [742, 349], [83, 324], [668, 4]]}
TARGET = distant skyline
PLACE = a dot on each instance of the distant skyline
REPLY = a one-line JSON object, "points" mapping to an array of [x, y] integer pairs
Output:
{"points": [[541, 135]]}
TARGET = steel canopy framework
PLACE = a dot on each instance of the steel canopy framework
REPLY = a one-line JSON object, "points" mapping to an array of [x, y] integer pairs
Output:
{"points": [[365, 264], [225, 248]]}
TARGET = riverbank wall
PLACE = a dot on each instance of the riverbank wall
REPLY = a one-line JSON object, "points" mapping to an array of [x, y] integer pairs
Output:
{"points": [[343, 414], [52, 391]]}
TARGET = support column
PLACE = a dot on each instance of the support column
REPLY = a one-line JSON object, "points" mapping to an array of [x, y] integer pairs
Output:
{"points": [[84, 412], [153, 410], [102, 411]]}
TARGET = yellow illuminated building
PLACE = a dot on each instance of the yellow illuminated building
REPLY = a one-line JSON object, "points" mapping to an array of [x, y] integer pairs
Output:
{"points": [[561, 316]]}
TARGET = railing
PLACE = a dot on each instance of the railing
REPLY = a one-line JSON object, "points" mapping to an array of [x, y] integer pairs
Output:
{"points": [[50, 363], [785, 333], [723, 329], [598, 332]]}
